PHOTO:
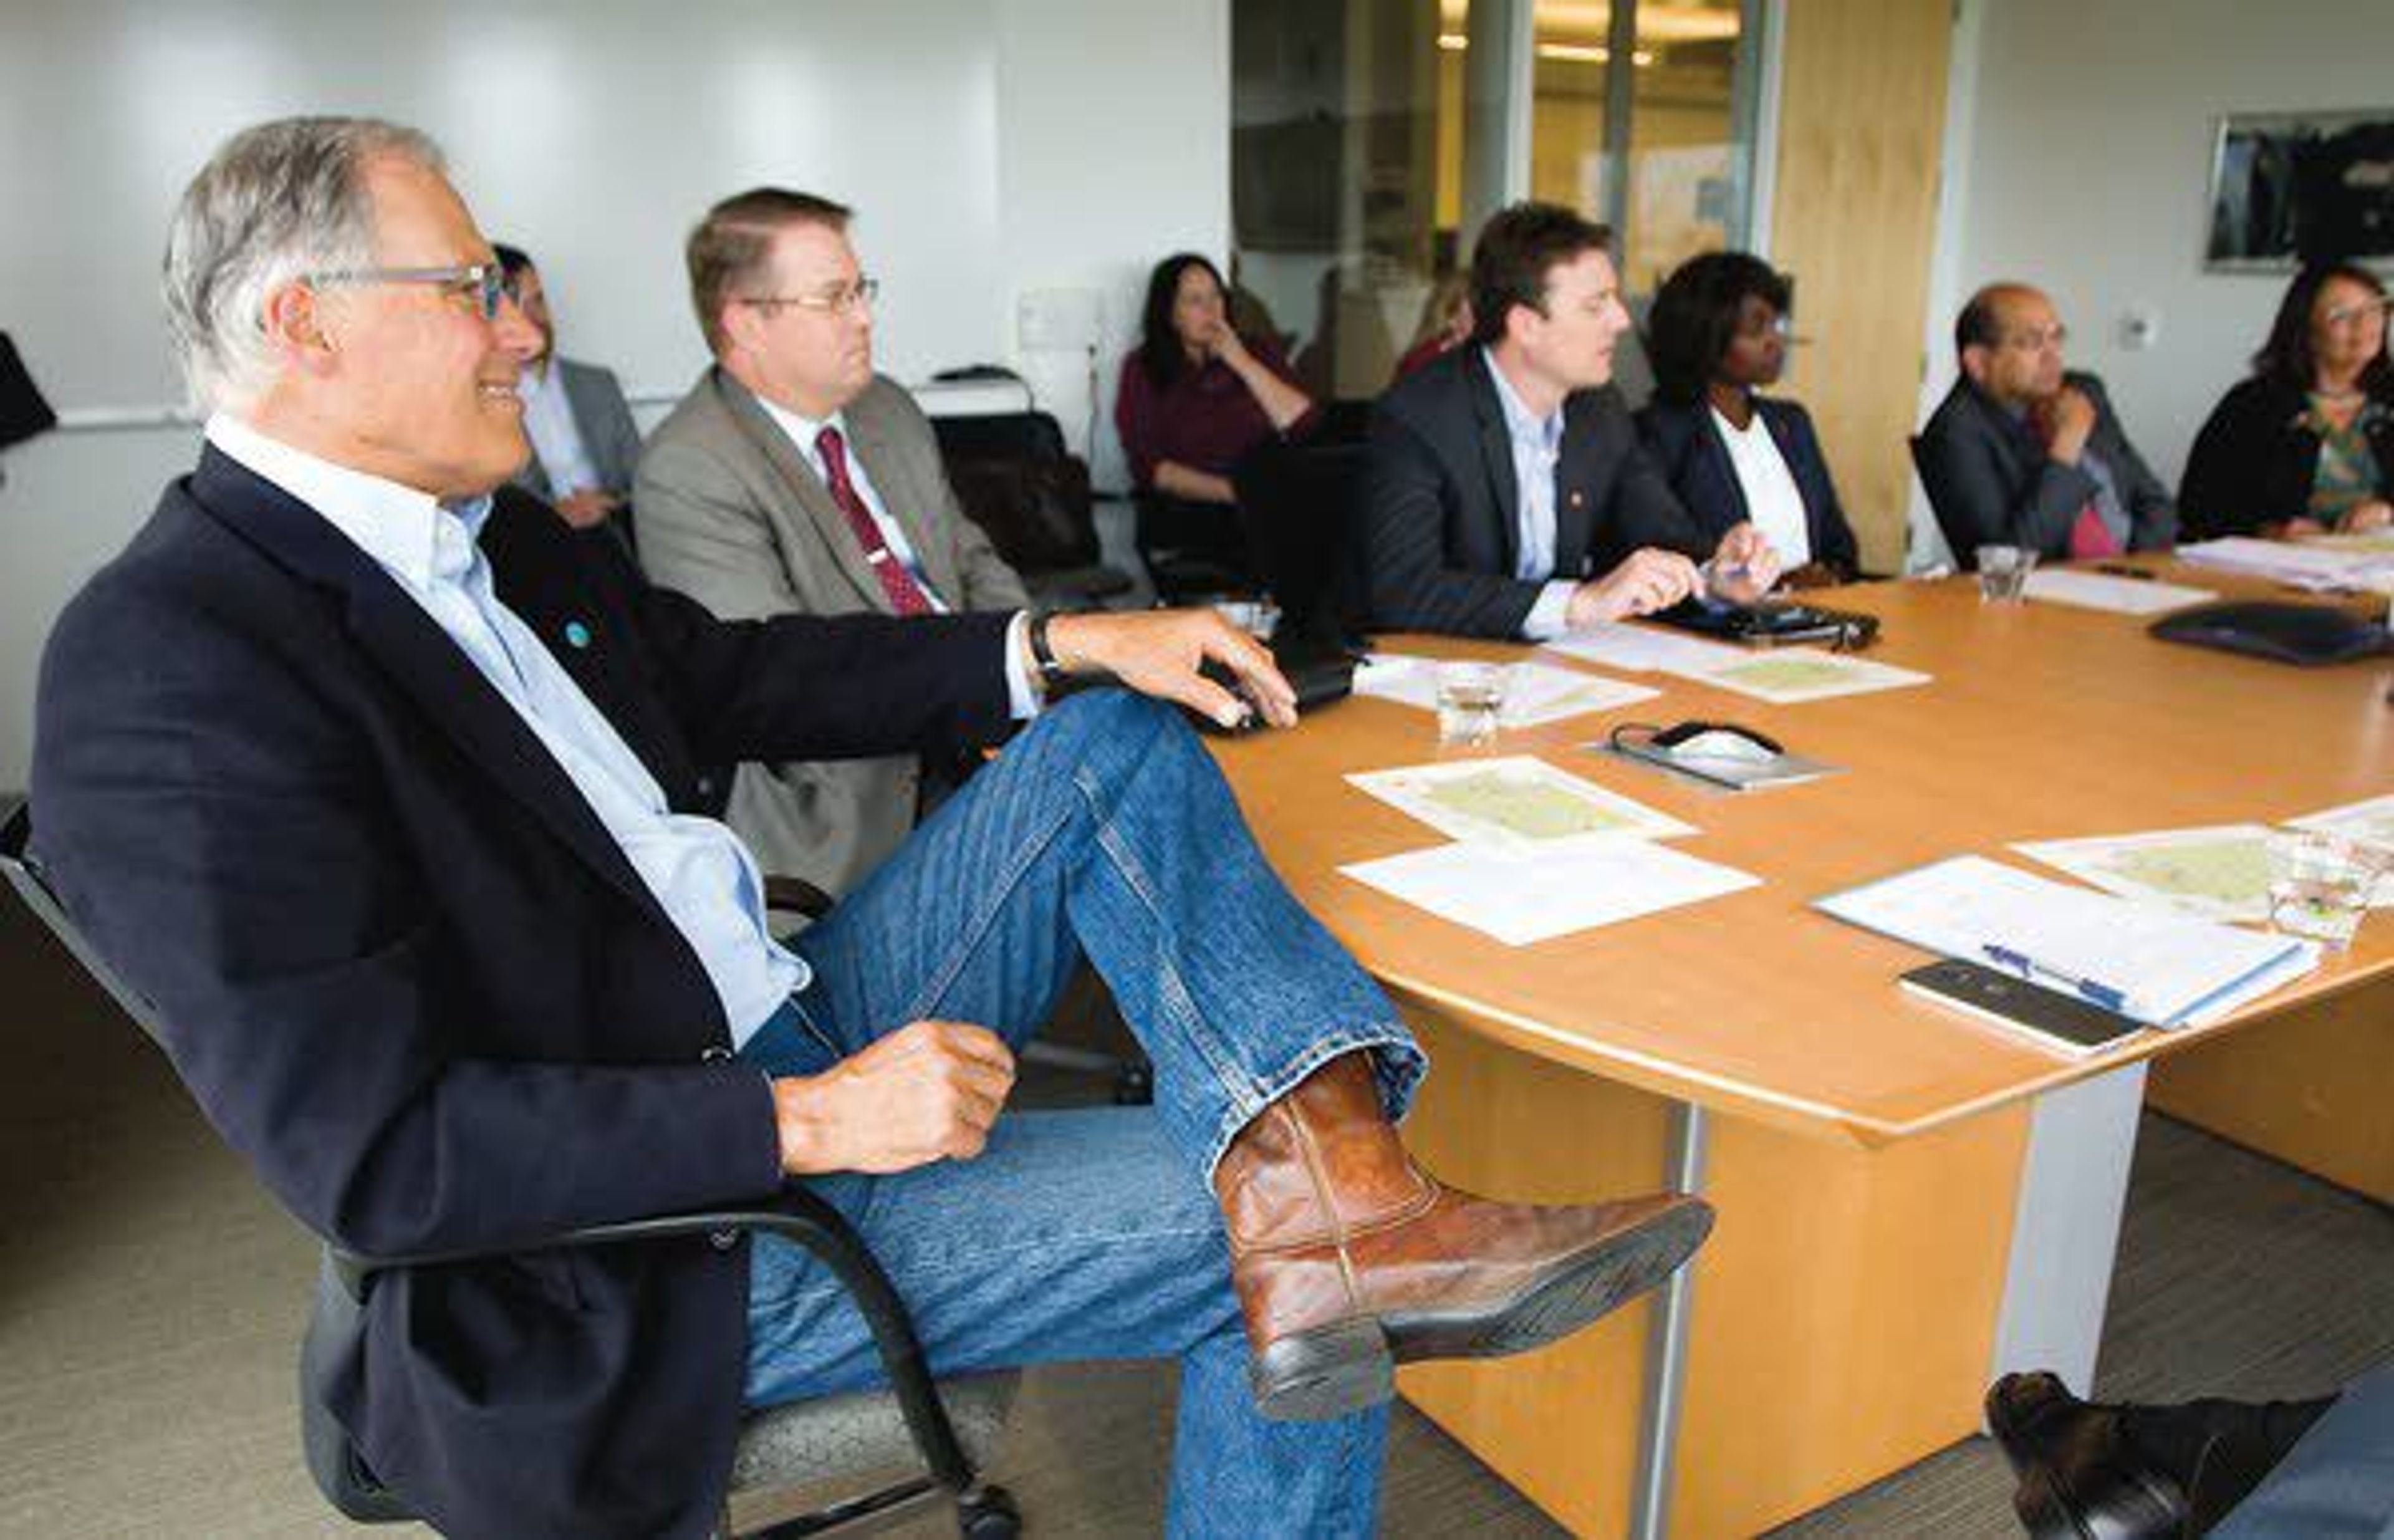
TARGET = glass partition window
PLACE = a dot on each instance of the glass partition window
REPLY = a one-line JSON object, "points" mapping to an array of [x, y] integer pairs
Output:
{"points": [[1359, 130]]}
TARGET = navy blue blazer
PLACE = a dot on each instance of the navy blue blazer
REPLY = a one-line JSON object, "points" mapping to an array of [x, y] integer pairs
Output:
{"points": [[1442, 503], [1688, 446], [409, 975]]}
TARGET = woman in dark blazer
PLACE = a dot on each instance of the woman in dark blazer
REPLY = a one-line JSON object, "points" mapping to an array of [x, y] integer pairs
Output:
{"points": [[1717, 335], [2306, 444]]}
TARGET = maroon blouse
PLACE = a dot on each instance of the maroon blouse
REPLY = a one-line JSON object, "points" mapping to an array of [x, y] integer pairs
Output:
{"points": [[1207, 419]]}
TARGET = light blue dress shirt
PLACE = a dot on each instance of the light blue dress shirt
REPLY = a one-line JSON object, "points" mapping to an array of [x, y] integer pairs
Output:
{"points": [[1537, 449], [556, 437], [702, 876]]}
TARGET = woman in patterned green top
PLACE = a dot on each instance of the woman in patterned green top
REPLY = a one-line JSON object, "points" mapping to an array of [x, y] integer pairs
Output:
{"points": [[2306, 445]]}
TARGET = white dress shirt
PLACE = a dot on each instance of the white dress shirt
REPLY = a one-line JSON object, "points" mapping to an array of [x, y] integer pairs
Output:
{"points": [[556, 437], [701, 875], [803, 432], [1537, 449], [1772, 501], [1022, 696]]}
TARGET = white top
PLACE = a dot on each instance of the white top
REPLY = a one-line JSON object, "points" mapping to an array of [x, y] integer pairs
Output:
{"points": [[1771, 500]]}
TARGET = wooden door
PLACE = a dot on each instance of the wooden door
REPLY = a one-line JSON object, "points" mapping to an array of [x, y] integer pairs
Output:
{"points": [[1862, 125]]}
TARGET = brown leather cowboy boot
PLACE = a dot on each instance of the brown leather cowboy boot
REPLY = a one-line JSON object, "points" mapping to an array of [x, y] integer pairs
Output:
{"points": [[1350, 1259]]}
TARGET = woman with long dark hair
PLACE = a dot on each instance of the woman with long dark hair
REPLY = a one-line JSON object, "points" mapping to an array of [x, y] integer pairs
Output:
{"points": [[2306, 445], [1718, 336], [1196, 397]]}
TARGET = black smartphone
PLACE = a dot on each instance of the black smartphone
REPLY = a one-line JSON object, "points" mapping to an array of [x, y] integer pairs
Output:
{"points": [[2062, 1022]]}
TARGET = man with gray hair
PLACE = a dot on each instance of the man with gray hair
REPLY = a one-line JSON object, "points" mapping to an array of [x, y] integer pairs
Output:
{"points": [[380, 787]]}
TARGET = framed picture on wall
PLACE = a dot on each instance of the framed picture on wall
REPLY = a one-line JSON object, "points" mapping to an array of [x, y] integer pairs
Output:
{"points": [[2286, 186]]}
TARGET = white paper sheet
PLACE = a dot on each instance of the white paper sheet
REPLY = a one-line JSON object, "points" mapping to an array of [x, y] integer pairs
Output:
{"points": [[1643, 648], [2125, 596], [2171, 971], [2369, 822], [1520, 896], [1790, 675], [1513, 800], [2306, 564], [2219, 873], [1536, 693]]}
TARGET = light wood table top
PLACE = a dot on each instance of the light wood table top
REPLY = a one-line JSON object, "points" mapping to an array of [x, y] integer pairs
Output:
{"points": [[2042, 722]]}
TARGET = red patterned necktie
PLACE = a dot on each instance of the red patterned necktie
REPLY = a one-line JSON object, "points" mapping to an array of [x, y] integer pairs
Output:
{"points": [[906, 595]]}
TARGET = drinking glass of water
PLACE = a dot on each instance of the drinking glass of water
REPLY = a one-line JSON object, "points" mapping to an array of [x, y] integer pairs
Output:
{"points": [[1470, 700], [2003, 573], [2322, 884]]}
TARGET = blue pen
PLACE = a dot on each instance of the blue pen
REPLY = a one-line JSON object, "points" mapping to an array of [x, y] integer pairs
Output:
{"points": [[2028, 967]]}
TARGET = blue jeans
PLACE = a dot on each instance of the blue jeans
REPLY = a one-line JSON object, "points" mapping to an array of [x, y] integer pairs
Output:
{"points": [[1104, 831]]}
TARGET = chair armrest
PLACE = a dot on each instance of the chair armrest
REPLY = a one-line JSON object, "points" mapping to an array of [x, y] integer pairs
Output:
{"points": [[798, 896], [797, 1216]]}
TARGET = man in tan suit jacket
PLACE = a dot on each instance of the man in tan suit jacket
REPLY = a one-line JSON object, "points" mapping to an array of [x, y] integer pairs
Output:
{"points": [[793, 477]]}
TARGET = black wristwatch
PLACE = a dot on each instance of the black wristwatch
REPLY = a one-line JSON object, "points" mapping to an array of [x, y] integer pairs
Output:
{"points": [[1051, 673]]}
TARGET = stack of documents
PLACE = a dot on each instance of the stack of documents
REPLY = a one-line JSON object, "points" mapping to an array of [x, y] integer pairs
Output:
{"points": [[2147, 964], [1537, 852], [2307, 564]]}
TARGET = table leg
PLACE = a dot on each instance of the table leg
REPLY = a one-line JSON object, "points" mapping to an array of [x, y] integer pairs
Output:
{"points": [[2066, 1227], [1667, 1347]]}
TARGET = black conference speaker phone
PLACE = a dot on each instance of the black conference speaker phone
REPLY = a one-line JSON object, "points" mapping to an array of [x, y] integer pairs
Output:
{"points": [[2306, 635]]}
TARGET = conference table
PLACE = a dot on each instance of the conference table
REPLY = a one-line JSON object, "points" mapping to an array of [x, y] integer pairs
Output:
{"points": [[1910, 1200]]}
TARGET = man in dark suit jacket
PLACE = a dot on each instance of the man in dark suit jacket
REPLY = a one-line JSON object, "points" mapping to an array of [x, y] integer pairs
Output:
{"points": [[2021, 453], [384, 792], [1506, 494], [586, 446]]}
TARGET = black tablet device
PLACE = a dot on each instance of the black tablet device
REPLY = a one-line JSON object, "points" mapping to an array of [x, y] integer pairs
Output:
{"points": [[1773, 624]]}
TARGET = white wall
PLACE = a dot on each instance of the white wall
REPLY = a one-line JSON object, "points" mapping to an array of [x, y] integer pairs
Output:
{"points": [[2080, 161], [992, 147]]}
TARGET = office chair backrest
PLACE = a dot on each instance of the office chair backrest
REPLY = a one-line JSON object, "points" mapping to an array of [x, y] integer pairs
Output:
{"points": [[25, 874], [1964, 550], [1296, 507], [1014, 478]]}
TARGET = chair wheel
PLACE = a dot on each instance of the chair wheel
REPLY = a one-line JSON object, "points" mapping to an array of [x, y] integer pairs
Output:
{"points": [[989, 1515]]}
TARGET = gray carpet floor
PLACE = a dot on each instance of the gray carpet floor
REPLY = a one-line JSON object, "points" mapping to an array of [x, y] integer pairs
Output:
{"points": [[150, 1300]]}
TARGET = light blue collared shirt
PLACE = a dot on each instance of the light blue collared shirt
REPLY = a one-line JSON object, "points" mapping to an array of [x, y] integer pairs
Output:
{"points": [[702, 876], [556, 437], [1537, 448]]}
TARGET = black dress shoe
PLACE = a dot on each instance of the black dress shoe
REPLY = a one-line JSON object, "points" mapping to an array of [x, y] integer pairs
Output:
{"points": [[2080, 1480]]}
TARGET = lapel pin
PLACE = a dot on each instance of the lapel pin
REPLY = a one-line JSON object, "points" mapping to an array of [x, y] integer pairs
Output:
{"points": [[1578, 498], [577, 634]]}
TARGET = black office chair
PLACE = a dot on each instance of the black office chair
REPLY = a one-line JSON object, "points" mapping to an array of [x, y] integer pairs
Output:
{"points": [[782, 1447], [1296, 505], [1014, 478], [1193, 552], [1964, 549]]}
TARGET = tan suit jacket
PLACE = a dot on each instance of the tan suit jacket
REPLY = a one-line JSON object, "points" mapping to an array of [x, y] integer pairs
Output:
{"points": [[733, 515]]}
